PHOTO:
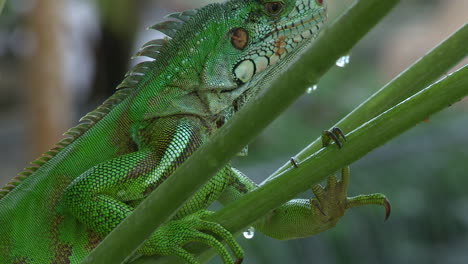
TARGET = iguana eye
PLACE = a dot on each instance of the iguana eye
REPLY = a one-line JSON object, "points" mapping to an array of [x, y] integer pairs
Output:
{"points": [[274, 8]]}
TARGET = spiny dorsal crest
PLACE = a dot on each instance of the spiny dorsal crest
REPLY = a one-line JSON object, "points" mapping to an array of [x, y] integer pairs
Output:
{"points": [[151, 49]]}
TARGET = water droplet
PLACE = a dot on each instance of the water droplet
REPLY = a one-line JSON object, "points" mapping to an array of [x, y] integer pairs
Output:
{"points": [[343, 61], [311, 89], [250, 233]]}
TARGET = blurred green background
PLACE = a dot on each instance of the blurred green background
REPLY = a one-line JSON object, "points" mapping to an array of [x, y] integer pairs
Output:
{"points": [[60, 59]]}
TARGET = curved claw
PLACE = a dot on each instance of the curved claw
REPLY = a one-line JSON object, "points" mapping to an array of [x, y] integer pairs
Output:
{"points": [[334, 134], [339, 133], [376, 198], [239, 261], [327, 136], [388, 208]]}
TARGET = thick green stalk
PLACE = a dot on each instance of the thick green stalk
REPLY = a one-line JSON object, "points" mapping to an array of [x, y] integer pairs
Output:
{"points": [[376, 132], [418, 76], [361, 141], [229, 140]]}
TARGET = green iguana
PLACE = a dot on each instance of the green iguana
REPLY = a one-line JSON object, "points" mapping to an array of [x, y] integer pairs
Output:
{"points": [[218, 58]]}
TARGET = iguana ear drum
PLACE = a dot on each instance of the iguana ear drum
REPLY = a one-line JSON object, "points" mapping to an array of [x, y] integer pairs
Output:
{"points": [[239, 38], [245, 70]]}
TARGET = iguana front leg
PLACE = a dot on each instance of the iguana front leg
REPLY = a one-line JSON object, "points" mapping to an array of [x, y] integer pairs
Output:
{"points": [[104, 195], [303, 217]]}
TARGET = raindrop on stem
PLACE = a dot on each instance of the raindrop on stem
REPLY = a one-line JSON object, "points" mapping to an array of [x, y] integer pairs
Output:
{"points": [[249, 233], [343, 61]]}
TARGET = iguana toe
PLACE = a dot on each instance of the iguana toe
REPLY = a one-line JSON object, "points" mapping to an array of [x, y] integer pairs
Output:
{"points": [[333, 135], [375, 198], [174, 235], [332, 201]]}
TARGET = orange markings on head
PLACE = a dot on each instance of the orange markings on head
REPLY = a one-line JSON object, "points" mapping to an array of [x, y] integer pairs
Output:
{"points": [[280, 45]]}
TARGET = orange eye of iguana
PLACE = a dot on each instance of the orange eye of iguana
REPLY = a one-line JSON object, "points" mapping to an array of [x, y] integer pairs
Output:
{"points": [[274, 8]]}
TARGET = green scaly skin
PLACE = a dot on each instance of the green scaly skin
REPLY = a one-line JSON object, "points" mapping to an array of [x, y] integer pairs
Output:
{"points": [[219, 57]]}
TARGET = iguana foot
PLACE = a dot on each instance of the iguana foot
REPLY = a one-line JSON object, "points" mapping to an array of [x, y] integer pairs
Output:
{"points": [[340, 193], [332, 201], [170, 239]]}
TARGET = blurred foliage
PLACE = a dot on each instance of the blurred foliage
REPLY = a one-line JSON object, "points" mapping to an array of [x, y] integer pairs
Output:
{"points": [[118, 15], [2, 3], [424, 172]]}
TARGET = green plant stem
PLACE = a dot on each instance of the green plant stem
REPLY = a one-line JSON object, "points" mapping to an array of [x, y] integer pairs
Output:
{"points": [[240, 214], [230, 139], [361, 141], [418, 76]]}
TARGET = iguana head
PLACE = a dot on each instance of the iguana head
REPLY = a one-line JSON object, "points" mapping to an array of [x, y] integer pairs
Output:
{"points": [[256, 38], [226, 53], [267, 30], [253, 35]]}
